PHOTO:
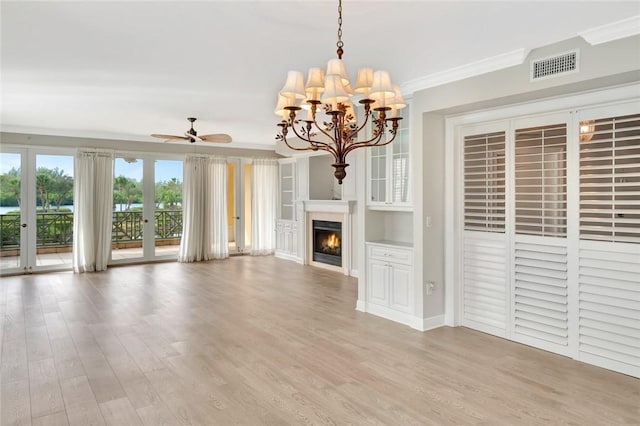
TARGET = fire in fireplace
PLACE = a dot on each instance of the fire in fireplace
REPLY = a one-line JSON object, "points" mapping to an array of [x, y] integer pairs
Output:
{"points": [[326, 242]]}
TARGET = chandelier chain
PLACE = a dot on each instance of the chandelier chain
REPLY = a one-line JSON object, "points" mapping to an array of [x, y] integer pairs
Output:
{"points": [[340, 43]]}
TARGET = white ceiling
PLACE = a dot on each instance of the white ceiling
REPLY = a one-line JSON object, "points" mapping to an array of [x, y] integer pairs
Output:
{"points": [[127, 69]]}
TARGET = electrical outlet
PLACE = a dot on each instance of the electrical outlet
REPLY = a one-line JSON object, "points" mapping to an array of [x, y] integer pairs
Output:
{"points": [[428, 221]]}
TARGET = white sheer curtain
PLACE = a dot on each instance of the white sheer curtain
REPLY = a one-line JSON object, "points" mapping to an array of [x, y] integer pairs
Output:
{"points": [[204, 211], [93, 209], [218, 224], [264, 206]]}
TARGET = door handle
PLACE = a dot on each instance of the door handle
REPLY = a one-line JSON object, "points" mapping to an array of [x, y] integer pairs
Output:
{"points": [[146, 221], [24, 225], [237, 217]]}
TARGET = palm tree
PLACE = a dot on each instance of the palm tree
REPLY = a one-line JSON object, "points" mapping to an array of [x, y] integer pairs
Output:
{"points": [[126, 190], [43, 181], [170, 193]]}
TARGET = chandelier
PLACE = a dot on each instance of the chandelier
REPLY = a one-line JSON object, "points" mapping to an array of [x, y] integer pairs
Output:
{"points": [[332, 93]]}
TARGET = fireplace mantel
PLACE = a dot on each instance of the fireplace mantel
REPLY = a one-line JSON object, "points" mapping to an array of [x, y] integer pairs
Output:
{"points": [[328, 206]]}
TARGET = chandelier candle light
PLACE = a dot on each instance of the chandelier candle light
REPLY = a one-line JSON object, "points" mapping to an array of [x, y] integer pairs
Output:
{"points": [[333, 90]]}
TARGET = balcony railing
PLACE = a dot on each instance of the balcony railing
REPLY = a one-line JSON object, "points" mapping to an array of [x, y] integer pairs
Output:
{"points": [[56, 229]]}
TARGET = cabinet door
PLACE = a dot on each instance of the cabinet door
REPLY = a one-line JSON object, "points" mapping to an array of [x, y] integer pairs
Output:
{"points": [[378, 175], [288, 240], [287, 190], [279, 236], [378, 286], [399, 148], [400, 287]]}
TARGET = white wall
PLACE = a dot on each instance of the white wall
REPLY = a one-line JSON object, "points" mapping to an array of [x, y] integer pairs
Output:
{"points": [[321, 177]]}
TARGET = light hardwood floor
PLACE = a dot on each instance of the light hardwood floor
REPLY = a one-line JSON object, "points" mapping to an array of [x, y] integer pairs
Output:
{"points": [[265, 341]]}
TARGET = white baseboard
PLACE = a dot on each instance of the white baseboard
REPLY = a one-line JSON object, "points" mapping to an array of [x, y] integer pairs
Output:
{"points": [[354, 273], [391, 314], [420, 324], [286, 256], [432, 322]]}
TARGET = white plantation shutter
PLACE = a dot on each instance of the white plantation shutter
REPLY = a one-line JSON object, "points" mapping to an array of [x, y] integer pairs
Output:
{"points": [[541, 295], [609, 247], [485, 247], [540, 289], [610, 179], [485, 282], [550, 222], [484, 182], [541, 180], [609, 305]]}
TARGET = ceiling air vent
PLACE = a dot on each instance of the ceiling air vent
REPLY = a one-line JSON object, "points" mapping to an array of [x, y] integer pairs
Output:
{"points": [[553, 66]]}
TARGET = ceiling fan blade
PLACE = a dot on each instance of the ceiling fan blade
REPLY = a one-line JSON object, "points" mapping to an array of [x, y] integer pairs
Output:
{"points": [[217, 138], [169, 137]]}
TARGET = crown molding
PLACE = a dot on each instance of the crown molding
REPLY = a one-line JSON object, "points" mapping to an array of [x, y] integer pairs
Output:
{"points": [[83, 134], [494, 63], [616, 30]]}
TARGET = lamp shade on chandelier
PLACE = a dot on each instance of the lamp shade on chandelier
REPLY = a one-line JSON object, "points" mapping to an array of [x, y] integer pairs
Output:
{"points": [[332, 93]]}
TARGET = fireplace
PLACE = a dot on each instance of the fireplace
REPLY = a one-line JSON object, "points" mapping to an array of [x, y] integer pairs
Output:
{"points": [[327, 242]]}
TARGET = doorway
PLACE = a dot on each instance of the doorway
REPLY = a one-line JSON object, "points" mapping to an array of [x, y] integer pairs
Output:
{"points": [[147, 208], [36, 210], [239, 205]]}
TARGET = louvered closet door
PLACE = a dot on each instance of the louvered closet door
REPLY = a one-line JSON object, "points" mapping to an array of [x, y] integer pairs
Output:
{"points": [[540, 298], [609, 246], [484, 257]]}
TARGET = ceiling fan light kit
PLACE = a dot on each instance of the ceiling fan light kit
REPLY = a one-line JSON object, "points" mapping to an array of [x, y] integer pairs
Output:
{"points": [[191, 135], [333, 89]]}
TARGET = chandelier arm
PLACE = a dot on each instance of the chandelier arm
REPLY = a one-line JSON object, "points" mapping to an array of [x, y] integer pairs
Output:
{"points": [[374, 141], [321, 129], [284, 124], [317, 144], [318, 127], [366, 120], [369, 143], [284, 138], [393, 131]]}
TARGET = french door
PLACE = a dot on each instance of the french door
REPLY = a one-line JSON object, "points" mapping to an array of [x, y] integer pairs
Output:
{"points": [[147, 212], [239, 205], [36, 210], [549, 223]]}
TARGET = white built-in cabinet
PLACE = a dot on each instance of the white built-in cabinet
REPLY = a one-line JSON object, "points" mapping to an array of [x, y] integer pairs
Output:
{"points": [[286, 225], [388, 174], [286, 238], [390, 280], [287, 189], [550, 232]]}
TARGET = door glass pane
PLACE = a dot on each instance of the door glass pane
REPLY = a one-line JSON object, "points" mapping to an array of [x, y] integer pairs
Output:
{"points": [[400, 161], [168, 207], [54, 209], [400, 172], [247, 206], [231, 206], [378, 173], [10, 176], [128, 223]]}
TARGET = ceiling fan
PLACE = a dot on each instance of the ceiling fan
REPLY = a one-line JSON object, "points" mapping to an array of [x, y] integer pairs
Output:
{"points": [[192, 136]]}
